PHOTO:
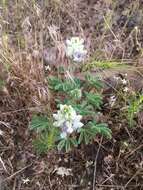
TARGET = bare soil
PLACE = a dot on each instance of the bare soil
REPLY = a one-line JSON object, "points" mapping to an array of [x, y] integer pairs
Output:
{"points": [[113, 31]]}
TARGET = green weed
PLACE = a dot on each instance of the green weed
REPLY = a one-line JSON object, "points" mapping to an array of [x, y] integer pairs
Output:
{"points": [[71, 94]]}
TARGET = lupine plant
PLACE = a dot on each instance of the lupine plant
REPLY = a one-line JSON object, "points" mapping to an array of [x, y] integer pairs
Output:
{"points": [[75, 105], [75, 49]]}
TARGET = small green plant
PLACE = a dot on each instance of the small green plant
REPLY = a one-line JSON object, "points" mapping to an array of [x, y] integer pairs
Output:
{"points": [[2, 84], [75, 105], [95, 64], [134, 107]]}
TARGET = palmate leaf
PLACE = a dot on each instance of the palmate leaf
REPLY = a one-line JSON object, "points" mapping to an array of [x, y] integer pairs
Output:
{"points": [[75, 94], [84, 109], [67, 144], [52, 137], [39, 123], [85, 135], [46, 141], [40, 145], [55, 83], [70, 85], [94, 99], [101, 128], [93, 81], [63, 86], [88, 133]]}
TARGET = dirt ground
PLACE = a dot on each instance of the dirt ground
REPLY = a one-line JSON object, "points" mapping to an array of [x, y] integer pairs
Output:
{"points": [[32, 30]]}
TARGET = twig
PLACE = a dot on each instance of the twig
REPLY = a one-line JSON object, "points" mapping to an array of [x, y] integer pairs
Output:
{"points": [[19, 171], [22, 109], [3, 164], [110, 28], [133, 177], [133, 151], [95, 166], [119, 186]]}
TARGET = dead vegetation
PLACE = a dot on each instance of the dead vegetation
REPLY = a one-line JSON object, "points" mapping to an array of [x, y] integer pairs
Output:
{"points": [[32, 36]]}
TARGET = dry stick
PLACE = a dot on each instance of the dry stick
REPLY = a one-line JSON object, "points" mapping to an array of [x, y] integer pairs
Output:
{"points": [[133, 177], [3, 164], [119, 186], [133, 151], [110, 28], [112, 175], [95, 166], [19, 171], [22, 109]]}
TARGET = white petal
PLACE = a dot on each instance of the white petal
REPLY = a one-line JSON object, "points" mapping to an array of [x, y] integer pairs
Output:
{"points": [[63, 135], [80, 125], [74, 40], [70, 51], [1, 133], [84, 52], [78, 59], [55, 116], [70, 130], [79, 117], [59, 123], [77, 125], [81, 40], [56, 124], [80, 47], [68, 42], [62, 107]]}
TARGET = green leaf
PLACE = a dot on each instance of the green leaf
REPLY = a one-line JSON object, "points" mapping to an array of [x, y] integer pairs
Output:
{"points": [[101, 129], [93, 81], [58, 87], [85, 135], [61, 144], [2, 84], [55, 83], [51, 138], [74, 142], [39, 123], [94, 99], [40, 144], [81, 137], [67, 144], [76, 93], [134, 107]]}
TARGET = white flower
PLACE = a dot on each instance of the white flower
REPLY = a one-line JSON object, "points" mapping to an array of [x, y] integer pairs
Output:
{"points": [[112, 100], [75, 49], [25, 181], [116, 78], [62, 171], [47, 68], [124, 81], [79, 55], [1, 133], [76, 122], [126, 89], [67, 120], [126, 74], [75, 42]]}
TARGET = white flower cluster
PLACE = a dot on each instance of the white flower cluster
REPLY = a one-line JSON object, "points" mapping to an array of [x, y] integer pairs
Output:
{"points": [[67, 119], [75, 49], [112, 100]]}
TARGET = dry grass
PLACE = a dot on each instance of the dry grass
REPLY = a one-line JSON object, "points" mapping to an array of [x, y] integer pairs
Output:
{"points": [[32, 35]]}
